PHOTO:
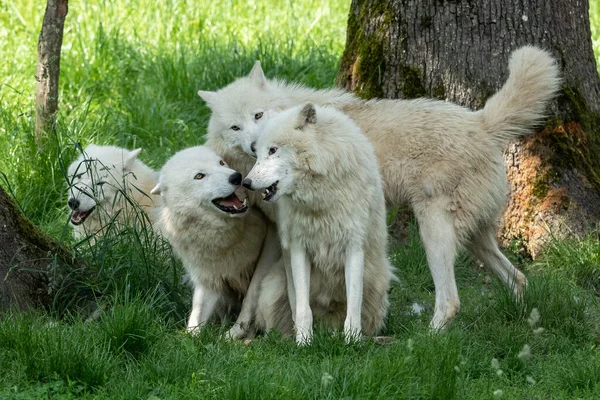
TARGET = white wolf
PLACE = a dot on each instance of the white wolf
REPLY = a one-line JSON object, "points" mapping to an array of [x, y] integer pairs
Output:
{"points": [[442, 159], [109, 184], [331, 216], [219, 239]]}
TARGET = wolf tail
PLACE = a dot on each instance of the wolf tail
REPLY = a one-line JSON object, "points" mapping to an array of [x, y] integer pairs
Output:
{"points": [[532, 82]]}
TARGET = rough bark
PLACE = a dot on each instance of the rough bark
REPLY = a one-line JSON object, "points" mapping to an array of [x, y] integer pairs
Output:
{"points": [[48, 67], [30, 260], [458, 51]]}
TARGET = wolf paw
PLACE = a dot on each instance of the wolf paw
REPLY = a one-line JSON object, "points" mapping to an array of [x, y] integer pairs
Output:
{"points": [[352, 332], [238, 332], [193, 330], [303, 338]]}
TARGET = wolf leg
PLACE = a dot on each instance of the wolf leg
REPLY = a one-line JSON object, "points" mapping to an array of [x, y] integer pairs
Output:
{"points": [[300, 266], [287, 262], [354, 273], [204, 303], [436, 226], [485, 248], [270, 254]]}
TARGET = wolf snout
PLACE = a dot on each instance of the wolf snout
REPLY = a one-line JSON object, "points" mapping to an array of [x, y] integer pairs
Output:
{"points": [[235, 179], [247, 183], [73, 203]]}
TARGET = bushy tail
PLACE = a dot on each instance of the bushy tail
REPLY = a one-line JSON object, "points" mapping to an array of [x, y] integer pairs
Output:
{"points": [[522, 101]]}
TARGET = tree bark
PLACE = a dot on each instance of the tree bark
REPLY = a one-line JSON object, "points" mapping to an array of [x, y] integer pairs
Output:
{"points": [[30, 261], [48, 67], [458, 51]]}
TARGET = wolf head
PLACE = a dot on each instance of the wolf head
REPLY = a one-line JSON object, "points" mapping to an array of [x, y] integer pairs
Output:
{"points": [[240, 110], [197, 180], [96, 178], [287, 150]]}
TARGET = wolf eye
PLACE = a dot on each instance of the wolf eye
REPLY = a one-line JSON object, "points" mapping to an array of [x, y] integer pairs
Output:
{"points": [[258, 115], [272, 150], [199, 176], [235, 128], [78, 176], [100, 183], [222, 163]]}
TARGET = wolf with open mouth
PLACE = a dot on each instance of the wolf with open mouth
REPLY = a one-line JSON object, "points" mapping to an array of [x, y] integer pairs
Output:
{"points": [[321, 171], [109, 184], [206, 218]]}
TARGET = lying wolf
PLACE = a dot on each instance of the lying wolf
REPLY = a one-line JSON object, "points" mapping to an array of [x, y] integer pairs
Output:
{"points": [[109, 185], [220, 242], [322, 172], [442, 159]]}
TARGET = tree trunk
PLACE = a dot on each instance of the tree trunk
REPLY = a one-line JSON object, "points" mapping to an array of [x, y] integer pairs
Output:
{"points": [[458, 51], [48, 67], [30, 261]]}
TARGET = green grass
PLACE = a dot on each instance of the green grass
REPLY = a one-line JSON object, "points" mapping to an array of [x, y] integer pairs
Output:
{"points": [[130, 72]]}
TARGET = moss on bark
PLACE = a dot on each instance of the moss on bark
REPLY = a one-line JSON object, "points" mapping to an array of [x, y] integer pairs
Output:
{"points": [[577, 141], [363, 61]]}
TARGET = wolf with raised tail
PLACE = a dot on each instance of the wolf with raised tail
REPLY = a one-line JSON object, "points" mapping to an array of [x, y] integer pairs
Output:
{"points": [[442, 159]]}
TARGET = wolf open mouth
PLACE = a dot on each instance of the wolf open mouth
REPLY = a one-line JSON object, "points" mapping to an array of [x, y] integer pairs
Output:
{"points": [[78, 217], [270, 191], [231, 204]]}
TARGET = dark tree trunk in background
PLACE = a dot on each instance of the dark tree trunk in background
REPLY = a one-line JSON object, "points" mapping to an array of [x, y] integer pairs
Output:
{"points": [[34, 268], [48, 67], [27, 256], [458, 51]]}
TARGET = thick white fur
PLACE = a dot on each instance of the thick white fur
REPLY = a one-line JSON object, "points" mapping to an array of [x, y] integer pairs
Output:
{"points": [[220, 252], [442, 159], [126, 179], [331, 217]]}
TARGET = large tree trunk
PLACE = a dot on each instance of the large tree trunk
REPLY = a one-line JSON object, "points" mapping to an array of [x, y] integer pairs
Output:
{"points": [[30, 261], [458, 51], [48, 67]]}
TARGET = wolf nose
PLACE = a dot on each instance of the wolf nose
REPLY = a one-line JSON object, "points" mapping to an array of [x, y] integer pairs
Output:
{"points": [[73, 203], [253, 147], [247, 184], [235, 179]]}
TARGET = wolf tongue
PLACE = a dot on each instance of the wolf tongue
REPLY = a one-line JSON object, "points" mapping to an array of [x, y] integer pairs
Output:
{"points": [[232, 201]]}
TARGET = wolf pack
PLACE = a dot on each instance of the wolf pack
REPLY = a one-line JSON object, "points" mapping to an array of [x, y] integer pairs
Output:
{"points": [[280, 217]]}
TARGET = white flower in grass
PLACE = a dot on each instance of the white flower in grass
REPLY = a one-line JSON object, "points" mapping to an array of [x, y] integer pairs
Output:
{"points": [[326, 379], [496, 367], [538, 331], [457, 369], [534, 317], [525, 353], [410, 344], [530, 379], [498, 393], [495, 364]]}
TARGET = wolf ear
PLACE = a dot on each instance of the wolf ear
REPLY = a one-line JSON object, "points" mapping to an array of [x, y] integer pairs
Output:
{"points": [[130, 158], [257, 75], [308, 115], [207, 96], [156, 190]]}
